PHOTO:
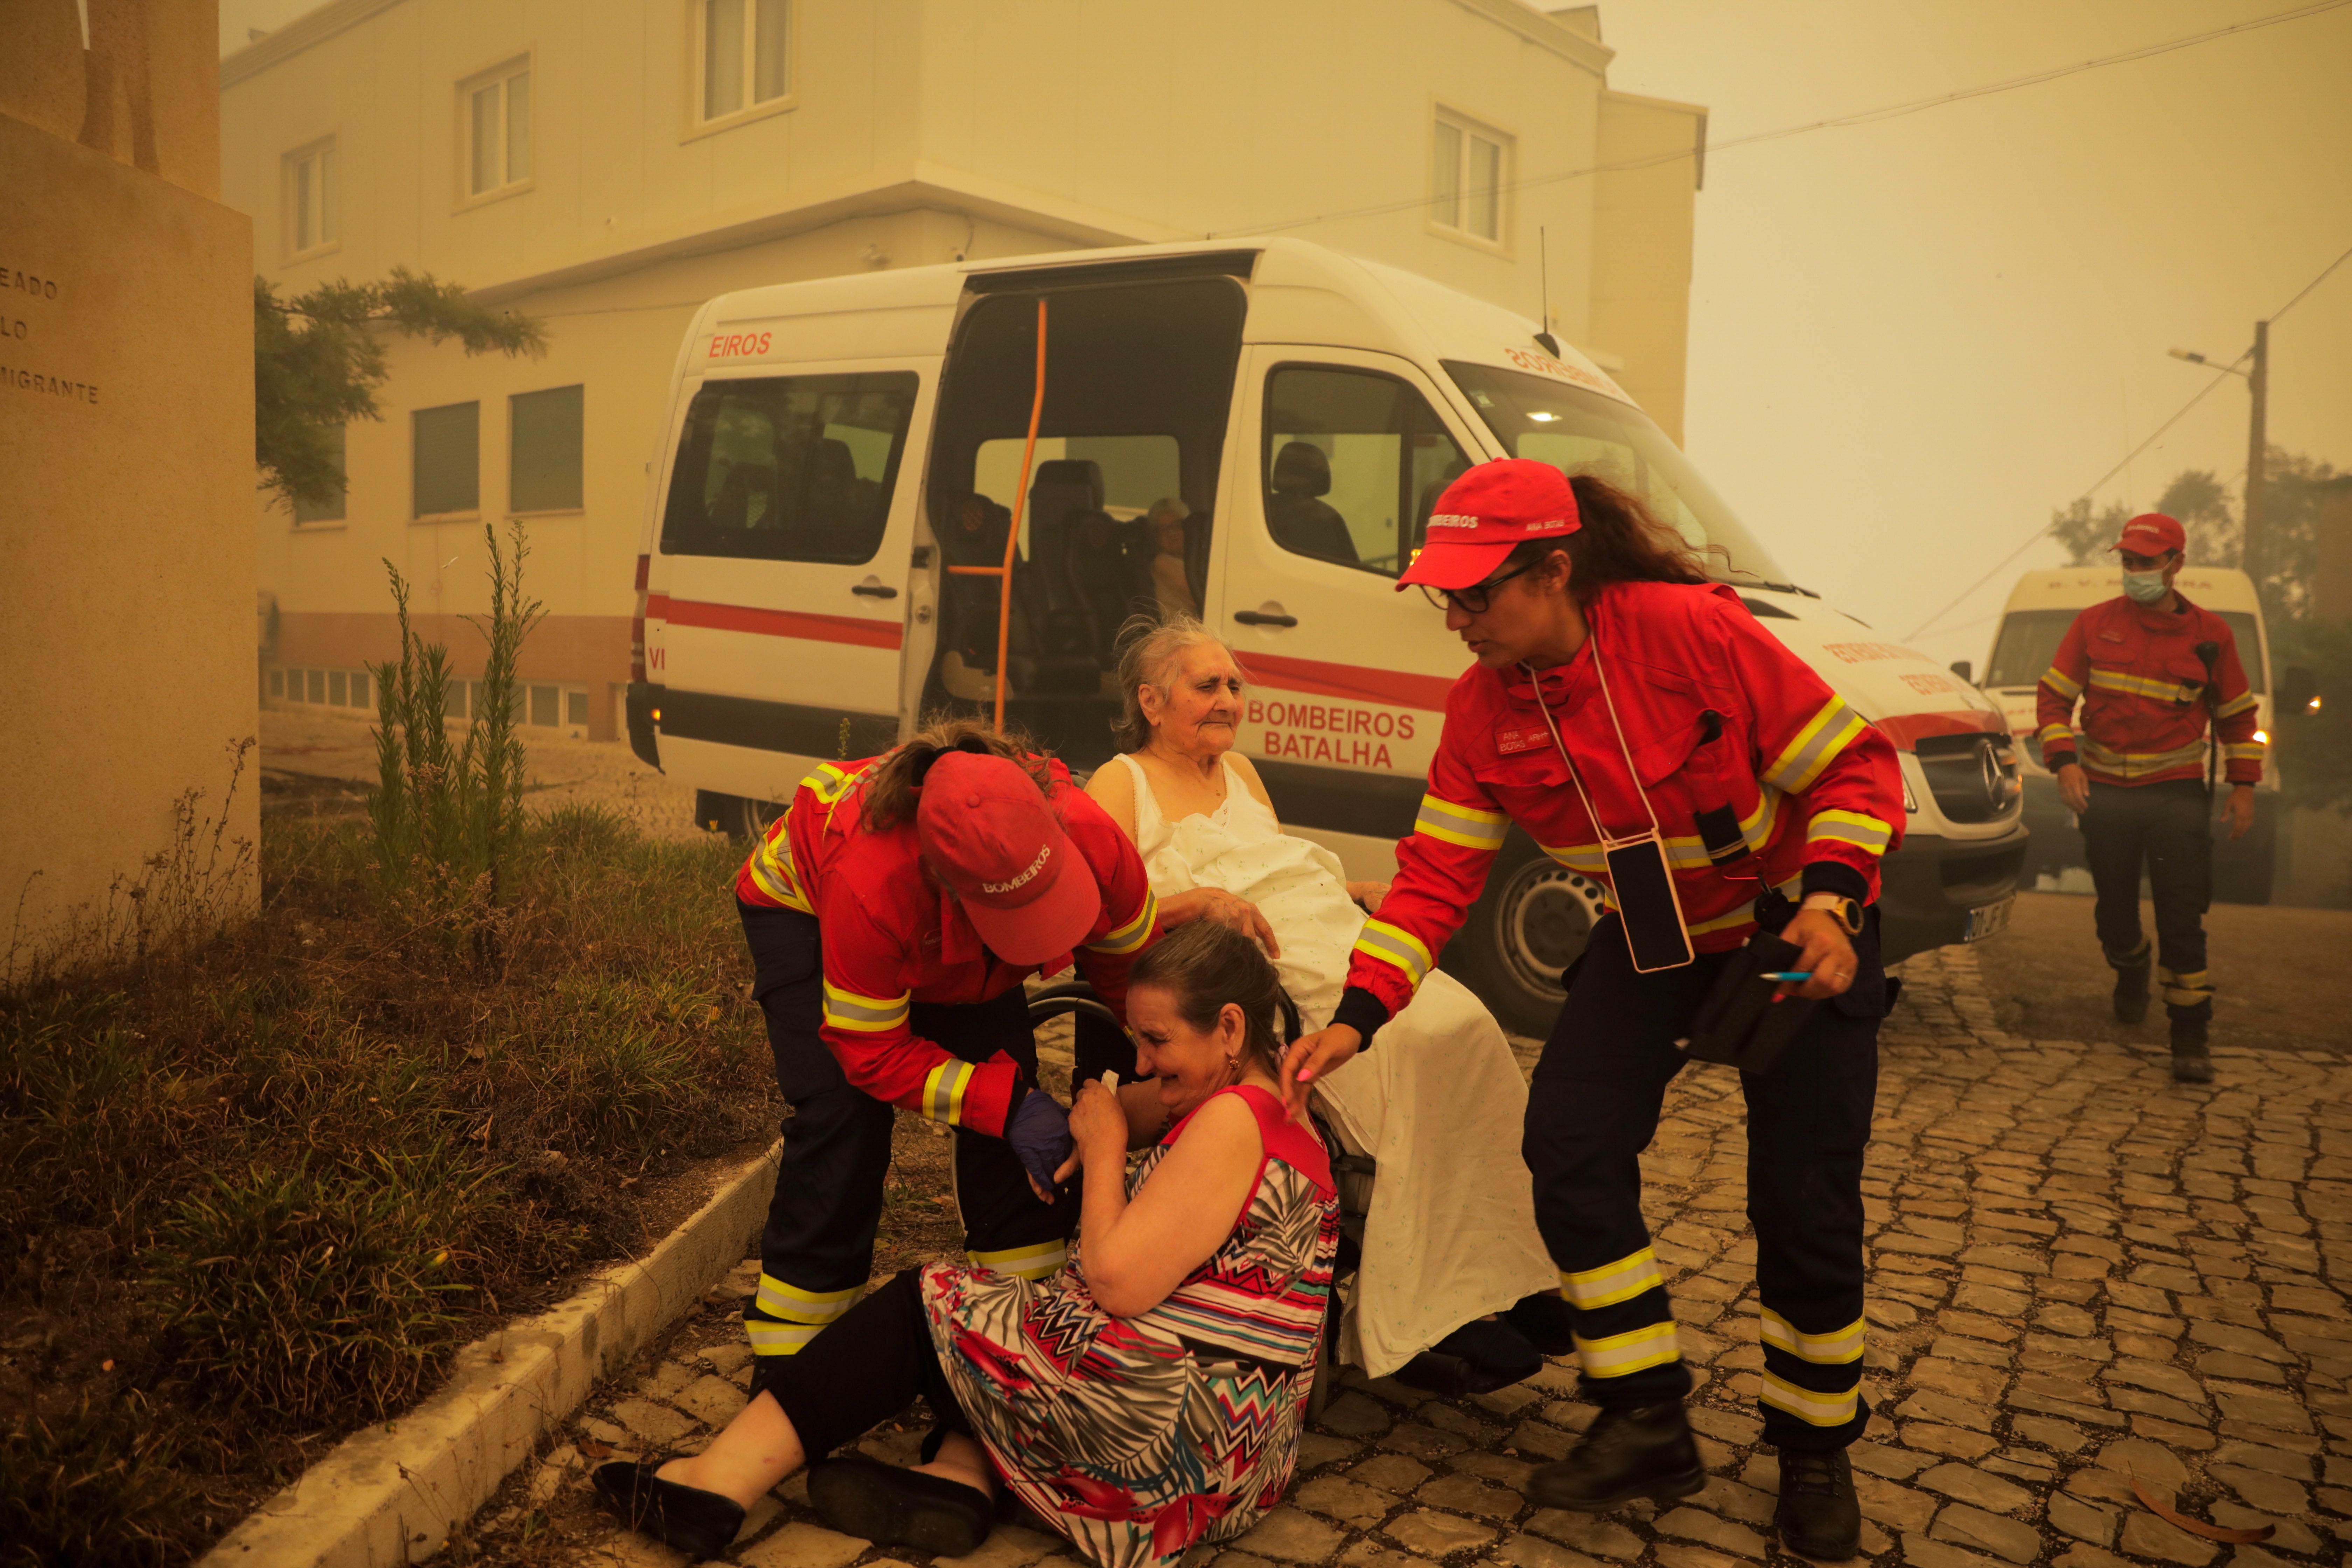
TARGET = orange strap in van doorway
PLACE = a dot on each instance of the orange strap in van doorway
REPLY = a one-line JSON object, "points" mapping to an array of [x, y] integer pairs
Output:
{"points": [[1013, 536]]}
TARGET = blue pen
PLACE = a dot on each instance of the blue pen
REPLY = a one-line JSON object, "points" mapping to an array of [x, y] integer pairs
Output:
{"points": [[1787, 976]]}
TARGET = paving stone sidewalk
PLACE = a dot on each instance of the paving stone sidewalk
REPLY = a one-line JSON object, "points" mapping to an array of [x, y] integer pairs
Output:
{"points": [[2081, 1274]]}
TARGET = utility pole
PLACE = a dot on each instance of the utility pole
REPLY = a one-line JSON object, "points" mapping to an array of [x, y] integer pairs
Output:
{"points": [[2250, 552]]}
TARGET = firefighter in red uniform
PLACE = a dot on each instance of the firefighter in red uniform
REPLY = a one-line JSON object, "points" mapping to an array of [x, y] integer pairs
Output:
{"points": [[1615, 683], [2152, 671], [893, 913]]}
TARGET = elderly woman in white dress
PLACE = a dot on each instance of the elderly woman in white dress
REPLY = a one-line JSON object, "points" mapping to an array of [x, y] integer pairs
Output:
{"points": [[1452, 1291]]}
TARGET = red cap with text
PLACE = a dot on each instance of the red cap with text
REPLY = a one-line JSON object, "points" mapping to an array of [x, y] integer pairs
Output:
{"points": [[1487, 513], [991, 836], [2151, 534]]}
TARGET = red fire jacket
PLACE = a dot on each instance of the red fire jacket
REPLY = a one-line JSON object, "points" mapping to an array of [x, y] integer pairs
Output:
{"points": [[2144, 697], [1760, 775], [893, 936]]}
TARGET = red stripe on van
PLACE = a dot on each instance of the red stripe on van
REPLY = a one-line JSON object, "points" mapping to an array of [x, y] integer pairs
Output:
{"points": [[1390, 686], [1907, 730], [855, 631]]}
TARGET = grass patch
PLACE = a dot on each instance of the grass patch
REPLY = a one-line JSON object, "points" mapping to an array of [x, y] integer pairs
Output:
{"points": [[255, 1193]]}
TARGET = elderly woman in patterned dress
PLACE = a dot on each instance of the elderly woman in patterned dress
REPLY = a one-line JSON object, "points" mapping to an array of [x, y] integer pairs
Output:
{"points": [[1147, 1398]]}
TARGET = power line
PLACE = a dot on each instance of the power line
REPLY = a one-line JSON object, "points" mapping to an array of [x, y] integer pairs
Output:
{"points": [[1861, 117], [2042, 532]]}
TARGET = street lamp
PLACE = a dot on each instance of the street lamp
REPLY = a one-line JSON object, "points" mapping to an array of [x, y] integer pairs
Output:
{"points": [[2258, 386]]}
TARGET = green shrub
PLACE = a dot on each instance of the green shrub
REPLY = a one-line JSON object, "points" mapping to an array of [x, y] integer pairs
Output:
{"points": [[293, 1294], [95, 1488]]}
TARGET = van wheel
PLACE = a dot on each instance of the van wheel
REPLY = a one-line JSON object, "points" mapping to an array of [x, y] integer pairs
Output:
{"points": [[753, 819], [1530, 924]]}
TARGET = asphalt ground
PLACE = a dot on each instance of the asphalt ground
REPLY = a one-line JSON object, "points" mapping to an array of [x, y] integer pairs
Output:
{"points": [[2283, 976]]}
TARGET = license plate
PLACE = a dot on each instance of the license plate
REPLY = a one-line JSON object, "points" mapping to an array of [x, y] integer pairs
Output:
{"points": [[1989, 920]]}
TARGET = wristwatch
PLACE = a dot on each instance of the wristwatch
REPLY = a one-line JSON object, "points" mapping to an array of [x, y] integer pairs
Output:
{"points": [[1847, 910]]}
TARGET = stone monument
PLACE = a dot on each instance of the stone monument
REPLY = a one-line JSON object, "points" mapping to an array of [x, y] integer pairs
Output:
{"points": [[126, 467]]}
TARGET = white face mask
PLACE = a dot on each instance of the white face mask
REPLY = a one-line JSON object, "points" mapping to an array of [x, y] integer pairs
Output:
{"points": [[2144, 587]]}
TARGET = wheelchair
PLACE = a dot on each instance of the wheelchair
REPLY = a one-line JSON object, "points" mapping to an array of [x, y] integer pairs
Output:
{"points": [[1100, 1043]]}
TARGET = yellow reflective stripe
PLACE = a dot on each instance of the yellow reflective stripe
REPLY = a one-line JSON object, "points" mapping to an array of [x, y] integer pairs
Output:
{"points": [[1613, 1282], [778, 1339], [2185, 990], [1830, 730], [2238, 704], [1833, 1349], [2131, 764], [1040, 1262], [2057, 732], [1131, 935], [1588, 858], [1815, 1409], [1757, 827], [1394, 944], [2142, 686], [1462, 825], [944, 1089], [2244, 751], [868, 1014], [828, 783], [1621, 1354], [2063, 684], [1744, 915], [1850, 828], [772, 874], [791, 1304]]}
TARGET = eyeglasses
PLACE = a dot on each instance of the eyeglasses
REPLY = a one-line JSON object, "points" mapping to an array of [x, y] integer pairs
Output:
{"points": [[1473, 600]]}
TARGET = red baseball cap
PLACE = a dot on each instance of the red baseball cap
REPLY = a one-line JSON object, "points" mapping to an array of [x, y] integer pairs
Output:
{"points": [[1483, 514], [993, 838], [2152, 533]]}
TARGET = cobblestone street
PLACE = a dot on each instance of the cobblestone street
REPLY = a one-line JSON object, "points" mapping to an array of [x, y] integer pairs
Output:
{"points": [[2081, 1274]]}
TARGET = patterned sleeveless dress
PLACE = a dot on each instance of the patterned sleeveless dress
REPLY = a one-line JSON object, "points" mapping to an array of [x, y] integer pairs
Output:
{"points": [[1140, 1436]]}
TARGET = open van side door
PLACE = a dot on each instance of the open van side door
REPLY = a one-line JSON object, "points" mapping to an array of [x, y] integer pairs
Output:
{"points": [[786, 534], [1339, 455]]}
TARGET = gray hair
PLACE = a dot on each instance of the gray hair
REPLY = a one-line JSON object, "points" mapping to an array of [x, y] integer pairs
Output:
{"points": [[1167, 507], [1148, 648]]}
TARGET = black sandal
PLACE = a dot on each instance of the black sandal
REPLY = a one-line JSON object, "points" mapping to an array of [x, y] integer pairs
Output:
{"points": [[697, 1522], [891, 1507]]}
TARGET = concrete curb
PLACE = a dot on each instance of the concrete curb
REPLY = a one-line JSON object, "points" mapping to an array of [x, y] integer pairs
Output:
{"points": [[392, 1494]]}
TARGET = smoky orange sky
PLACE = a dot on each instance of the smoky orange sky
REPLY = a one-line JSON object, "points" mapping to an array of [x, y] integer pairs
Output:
{"points": [[1911, 340]]}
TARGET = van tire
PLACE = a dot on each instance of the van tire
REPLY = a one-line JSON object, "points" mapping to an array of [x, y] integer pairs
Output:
{"points": [[1529, 925]]}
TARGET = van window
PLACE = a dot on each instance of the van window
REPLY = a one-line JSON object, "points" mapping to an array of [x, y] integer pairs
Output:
{"points": [[1585, 432], [2029, 643], [1353, 464], [1116, 521], [789, 467]]}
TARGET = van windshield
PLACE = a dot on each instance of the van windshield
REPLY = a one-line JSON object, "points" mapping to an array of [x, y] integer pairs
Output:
{"points": [[1584, 432], [2029, 642]]}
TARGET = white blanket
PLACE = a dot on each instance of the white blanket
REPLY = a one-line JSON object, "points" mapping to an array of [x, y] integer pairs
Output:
{"points": [[1437, 1099]]}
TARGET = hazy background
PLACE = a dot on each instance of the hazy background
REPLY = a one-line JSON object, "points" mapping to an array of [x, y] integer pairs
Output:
{"points": [[1910, 341]]}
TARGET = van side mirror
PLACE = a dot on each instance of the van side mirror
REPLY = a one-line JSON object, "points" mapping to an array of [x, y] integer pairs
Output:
{"points": [[2298, 690], [1961, 667]]}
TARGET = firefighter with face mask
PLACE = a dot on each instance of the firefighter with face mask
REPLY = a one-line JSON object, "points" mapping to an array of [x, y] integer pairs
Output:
{"points": [[1638, 723], [2152, 672]]}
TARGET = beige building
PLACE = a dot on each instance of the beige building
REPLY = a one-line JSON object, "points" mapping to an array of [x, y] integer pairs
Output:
{"points": [[606, 165], [126, 479]]}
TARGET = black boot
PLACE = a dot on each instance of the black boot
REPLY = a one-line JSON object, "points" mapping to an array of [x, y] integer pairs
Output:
{"points": [[2131, 989], [2190, 1062], [1817, 1516], [1478, 1357], [1547, 1321], [1644, 1452]]}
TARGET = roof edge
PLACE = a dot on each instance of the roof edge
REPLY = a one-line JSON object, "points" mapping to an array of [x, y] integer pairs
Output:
{"points": [[1697, 112], [313, 27], [1539, 29]]}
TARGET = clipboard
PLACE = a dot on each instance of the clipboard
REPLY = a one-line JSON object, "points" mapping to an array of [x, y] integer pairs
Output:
{"points": [[1738, 1024]]}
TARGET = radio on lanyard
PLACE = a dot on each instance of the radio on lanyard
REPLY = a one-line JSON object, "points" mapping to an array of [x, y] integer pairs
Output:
{"points": [[1639, 875]]}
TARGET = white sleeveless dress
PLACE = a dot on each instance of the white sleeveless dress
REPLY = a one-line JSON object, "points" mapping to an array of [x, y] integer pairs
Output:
{"points": [[1437, 1099]]}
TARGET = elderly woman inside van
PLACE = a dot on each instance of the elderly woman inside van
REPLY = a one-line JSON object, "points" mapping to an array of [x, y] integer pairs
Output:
{"points": [[1452, 1262], [1145, 1399]]}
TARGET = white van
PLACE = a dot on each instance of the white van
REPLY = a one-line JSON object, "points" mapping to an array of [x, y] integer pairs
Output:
{"points": [[836, 447], [2041, 607]]}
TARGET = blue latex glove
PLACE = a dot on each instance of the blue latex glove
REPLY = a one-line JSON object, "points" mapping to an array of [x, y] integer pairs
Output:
{"points": [[1039, 1132]]}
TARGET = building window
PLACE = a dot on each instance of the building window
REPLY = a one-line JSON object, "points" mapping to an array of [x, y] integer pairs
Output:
{"points": [[311, 200], [446, 454], [497, 108], [742, 55], [327, 510], [543, 428], [1468, 167]]}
